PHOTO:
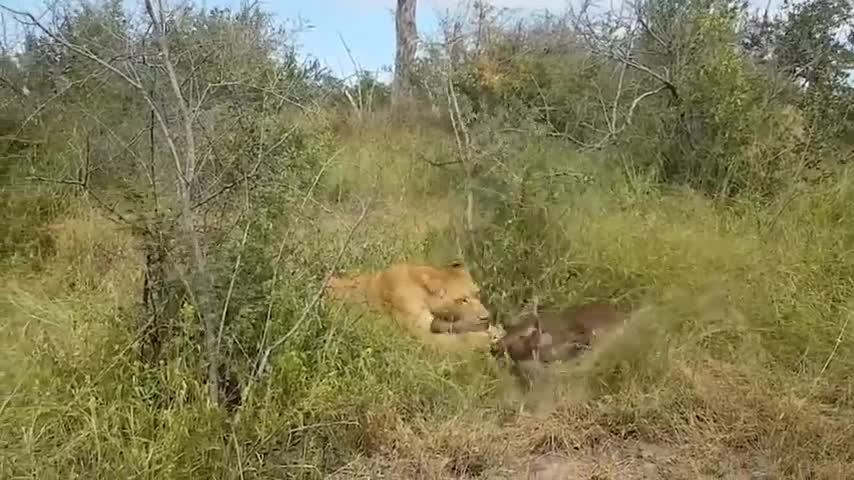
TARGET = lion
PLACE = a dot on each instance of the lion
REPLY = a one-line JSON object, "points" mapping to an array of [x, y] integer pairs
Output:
{"points": [[439, 306]]}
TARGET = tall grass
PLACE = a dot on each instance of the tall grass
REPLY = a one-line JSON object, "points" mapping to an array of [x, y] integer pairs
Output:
{"points": [[739, 342]]}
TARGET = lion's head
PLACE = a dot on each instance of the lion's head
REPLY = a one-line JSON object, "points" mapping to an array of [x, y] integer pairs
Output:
{"points": [[457, 295]]}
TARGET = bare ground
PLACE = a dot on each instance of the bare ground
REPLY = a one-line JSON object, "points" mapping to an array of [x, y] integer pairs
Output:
{"points": [[544, 437], [613, 459]]}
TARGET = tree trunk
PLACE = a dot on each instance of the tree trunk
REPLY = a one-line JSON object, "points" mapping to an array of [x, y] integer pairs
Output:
{"points": [[407, 41], [201, 281]]}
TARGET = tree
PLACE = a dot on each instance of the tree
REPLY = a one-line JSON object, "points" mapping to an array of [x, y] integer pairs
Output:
{"points": [[810, 47], [407, 42], [170, 150]]}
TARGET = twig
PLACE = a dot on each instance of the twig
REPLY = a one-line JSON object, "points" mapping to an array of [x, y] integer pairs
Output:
{"points": [[464, 145], [237, 452], [317, 177], [231, 284], [648, 28], [11, 396], [555, 132], [18, 91], [356, 68], [77, 183], [643, 68], [226, 188], [262, 363], [835, 347], [612, 123], [277, 264], [125, 146], [53, 97], [61, 181], [237, 261], [269, 91], [252, 173], [443, 164]]}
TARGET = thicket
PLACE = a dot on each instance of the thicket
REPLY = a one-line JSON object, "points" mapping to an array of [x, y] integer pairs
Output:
{"points": [[177, 184]]}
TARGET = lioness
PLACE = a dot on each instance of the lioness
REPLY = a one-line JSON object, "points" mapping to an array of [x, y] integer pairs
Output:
{"points": [[556, 334], [416, 295]]}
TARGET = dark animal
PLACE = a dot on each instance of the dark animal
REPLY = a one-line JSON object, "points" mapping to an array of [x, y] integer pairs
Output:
{"points": [[556, 333], [441, 324]]}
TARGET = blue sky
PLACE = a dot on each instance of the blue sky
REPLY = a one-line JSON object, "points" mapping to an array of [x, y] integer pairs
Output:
{"points": [[366, 25]]}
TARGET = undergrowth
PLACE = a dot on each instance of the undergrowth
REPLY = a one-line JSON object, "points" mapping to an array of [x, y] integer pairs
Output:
{"points": [[738, 341]]}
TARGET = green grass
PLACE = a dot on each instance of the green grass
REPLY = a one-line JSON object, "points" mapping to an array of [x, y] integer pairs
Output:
{"points": [[740, 344]]}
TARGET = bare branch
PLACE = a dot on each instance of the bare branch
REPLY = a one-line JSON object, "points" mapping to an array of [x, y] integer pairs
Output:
{"points": [[19, 91], [599, 43], [227, 187], [555, 133], [358, 107], [81, 50], [123, 75], [648, 29], [52, 98], [265, 356], [637, 102], [612, 123], [61, 181], [119, 218], [317, 177], [643, 68], [250, 175], [231, 283], [266, 90]]}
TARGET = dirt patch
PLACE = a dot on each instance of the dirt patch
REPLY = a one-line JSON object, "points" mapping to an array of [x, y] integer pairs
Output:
{"points": [[567, 443], [540, 436], [638, 460]]}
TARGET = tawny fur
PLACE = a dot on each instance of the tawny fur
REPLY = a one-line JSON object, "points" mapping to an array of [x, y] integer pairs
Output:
{"points": [[556, 334], [415, 295]]}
